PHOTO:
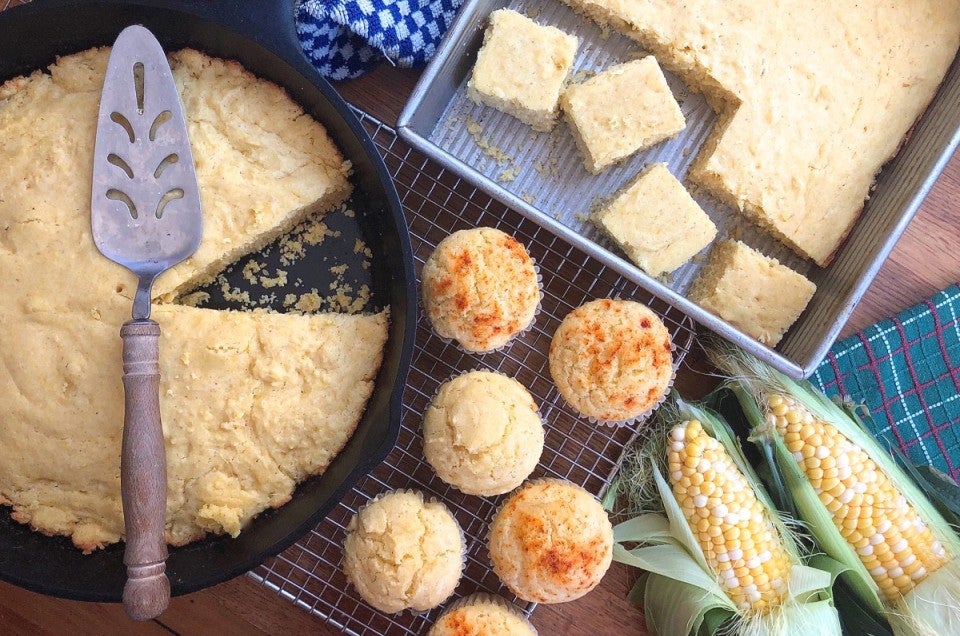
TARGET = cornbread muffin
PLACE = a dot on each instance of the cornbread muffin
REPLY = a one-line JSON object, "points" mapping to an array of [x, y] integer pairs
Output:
{"points": [[622, 110], [480, 288], [482, 433], [551, 542], [521, 68], [611, 359], [752, 292], [251, 403], [402, 552], [813, 97], [656, 222], [482, 615]]}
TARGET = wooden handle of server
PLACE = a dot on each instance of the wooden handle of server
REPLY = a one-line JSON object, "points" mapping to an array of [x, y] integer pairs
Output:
{"points": [[143, 474]]}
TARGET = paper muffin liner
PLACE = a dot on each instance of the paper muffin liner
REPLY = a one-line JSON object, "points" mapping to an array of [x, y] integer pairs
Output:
{"points": [[463, 548], [453, 376], [424, 315], [506, 499], [486, 598], [640, 418]]}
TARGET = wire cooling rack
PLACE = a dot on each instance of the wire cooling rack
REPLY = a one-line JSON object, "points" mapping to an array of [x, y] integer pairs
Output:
{"points": [[437, 203]]}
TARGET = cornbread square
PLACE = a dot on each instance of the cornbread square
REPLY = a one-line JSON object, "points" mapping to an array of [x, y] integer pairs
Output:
{"points": [[521, 68], [813, 97], [752, 292], [656, 221], [620, 111]]}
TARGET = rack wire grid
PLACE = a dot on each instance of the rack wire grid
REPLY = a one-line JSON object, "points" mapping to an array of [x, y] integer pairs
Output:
{"points": [[436, 203]]}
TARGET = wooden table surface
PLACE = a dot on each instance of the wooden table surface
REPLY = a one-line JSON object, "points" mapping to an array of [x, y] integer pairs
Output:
{"points": [[925, 260]]}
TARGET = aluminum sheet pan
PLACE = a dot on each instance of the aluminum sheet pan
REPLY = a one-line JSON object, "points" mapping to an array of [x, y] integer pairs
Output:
{"points": [[541, 175]]}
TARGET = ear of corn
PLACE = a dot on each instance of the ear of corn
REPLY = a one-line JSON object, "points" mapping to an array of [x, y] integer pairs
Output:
{"points": [[717, 549], [860, 506]]}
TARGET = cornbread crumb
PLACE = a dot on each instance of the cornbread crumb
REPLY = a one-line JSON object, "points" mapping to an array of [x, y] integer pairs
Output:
{"points": [[482, 433], [656, 222], [753, 292], [612, 360], [551, 542], [622, 110], [480, 288], [521, 68], [482, 615], [402, 552]]}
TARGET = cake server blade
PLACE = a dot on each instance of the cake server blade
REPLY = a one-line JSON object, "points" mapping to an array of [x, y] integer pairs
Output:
{"points": [[145, 215]]}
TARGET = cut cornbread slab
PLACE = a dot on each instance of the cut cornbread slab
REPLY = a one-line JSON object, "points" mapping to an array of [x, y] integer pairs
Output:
{"points": [[752, 292], [622, 110], [251, 402], [656, 222], [521, 68], [813, 97]]}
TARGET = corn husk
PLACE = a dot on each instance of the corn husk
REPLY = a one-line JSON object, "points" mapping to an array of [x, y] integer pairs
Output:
{"points": [[933, 606], [681, 595]]}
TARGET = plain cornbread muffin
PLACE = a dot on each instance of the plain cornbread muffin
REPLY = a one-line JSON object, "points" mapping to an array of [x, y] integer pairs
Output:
{"points": [[656, 221], [620, 111], [612, 359], [551, 542], [480, 288], [251, 402], [521, 68], [482, 433], [813, 97], [482, 615], [754, 293], [402, 552]]}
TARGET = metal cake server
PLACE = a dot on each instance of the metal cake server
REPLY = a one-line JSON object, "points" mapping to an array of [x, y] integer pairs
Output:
{"points": [[145, 215]]}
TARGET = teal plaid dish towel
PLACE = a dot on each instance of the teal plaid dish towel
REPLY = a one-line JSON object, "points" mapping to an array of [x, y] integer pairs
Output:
{"points": [[906, 369]]}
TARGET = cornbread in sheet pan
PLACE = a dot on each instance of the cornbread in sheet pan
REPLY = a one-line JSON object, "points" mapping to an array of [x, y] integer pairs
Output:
{"points": [[482, 433], [403, 552], [813, 97], [754, 293], [620, 111], [480, 288], [551, 541], [251, 402], [521, 68], [612, 359], [656, 221]]}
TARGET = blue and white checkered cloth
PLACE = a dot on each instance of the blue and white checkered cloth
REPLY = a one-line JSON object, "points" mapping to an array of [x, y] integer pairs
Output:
{"points": [[345, 38]]}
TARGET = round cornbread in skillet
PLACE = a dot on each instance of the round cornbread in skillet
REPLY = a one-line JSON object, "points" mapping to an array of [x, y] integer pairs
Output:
{"points": [[612, 359], [480, 288], [482, 433], [551, 542], [402, 552]]}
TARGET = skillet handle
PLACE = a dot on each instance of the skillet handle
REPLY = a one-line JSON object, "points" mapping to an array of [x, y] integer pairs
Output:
{"points": [[143, 474]]}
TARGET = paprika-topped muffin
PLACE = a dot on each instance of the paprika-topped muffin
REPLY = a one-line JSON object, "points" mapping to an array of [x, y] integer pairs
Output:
{"points": [[480, 288], [612, 360]]}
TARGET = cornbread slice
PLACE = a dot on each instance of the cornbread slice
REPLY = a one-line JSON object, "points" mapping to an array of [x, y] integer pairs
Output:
{"points": [[480, 288], [551, 542], [752, 292], [251, 402], [521, 68], [612, 359], [482, 433], [622, 110], [813, 97], [656, 221], [403, 552]]}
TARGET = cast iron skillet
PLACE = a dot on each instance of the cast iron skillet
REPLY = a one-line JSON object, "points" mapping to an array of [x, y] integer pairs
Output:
{"points": [[261, 35]]}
